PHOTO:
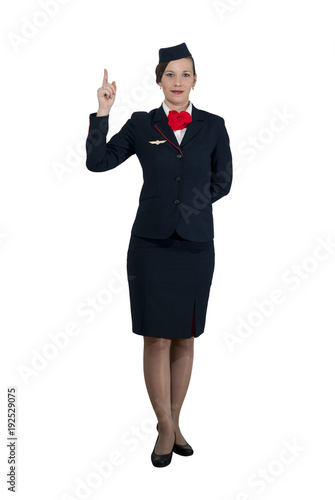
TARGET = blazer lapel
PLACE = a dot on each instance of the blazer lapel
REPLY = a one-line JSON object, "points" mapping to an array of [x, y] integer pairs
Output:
{"points": [[193, 127], [160, 119]]}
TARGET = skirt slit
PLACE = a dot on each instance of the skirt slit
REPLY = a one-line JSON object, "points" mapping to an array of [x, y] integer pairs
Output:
{"points": [[192, 333], [169, 280]]}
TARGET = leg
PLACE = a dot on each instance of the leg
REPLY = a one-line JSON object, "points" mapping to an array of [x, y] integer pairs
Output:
{"points": [[156, 363], [181, 362]]}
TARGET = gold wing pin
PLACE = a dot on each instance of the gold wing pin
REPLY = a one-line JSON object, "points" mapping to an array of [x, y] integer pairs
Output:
{"points": [[157, 142]]}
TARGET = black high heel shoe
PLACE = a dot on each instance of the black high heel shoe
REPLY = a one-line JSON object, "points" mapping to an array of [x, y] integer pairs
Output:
{"points": [[185, 450], [161, 460]]}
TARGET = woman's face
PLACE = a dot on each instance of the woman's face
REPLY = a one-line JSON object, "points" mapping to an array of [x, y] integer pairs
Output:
{"points": [[177, 81]]}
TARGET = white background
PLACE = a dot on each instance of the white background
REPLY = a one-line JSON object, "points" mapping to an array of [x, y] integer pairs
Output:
{"points": [[64, 233]]}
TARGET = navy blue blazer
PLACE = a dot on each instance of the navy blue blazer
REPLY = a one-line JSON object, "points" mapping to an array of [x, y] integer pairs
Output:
{"points": [[180, 182]]}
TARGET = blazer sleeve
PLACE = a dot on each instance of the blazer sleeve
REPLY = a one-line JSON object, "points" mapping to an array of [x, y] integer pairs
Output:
{"points": [[221, 165], [102, 156]]}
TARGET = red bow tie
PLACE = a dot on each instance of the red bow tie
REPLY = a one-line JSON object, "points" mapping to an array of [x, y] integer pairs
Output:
{"points": [[177, 121]]}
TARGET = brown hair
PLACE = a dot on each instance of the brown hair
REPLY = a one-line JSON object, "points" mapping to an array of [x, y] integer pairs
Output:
{"points": [[160, 68]]}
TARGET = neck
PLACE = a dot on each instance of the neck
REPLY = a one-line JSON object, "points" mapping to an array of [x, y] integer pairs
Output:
{"points": [[182, 107]]}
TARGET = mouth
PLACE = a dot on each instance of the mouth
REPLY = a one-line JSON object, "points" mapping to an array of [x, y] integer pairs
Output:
{"points": [[177, 92]]}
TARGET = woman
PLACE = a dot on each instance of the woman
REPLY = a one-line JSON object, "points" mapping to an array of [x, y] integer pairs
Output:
{"points": [[187, 166]]}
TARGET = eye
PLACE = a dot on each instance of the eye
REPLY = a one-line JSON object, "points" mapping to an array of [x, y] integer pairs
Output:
{"points": [[184, 74]]}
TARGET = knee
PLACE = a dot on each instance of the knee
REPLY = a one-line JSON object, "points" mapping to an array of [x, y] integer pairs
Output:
{"points": [[186, 344], [158, 343]]}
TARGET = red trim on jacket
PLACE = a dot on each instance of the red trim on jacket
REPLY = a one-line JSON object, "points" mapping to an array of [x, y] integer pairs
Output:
{"points": [[169, 141]]}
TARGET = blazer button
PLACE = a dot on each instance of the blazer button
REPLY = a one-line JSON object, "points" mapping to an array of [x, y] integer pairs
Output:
{"points": [[176, 202], [178, 178], [178, 156]]}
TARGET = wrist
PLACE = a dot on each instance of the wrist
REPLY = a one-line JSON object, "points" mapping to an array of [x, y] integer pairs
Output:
{"points": [[102, 112]]}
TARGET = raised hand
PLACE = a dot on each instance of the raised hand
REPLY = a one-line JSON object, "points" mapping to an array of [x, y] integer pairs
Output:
{"points": [[106, 95]]}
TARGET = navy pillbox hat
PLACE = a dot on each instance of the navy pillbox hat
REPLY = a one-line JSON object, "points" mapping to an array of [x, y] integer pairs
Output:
{"points": [[173, 53]]}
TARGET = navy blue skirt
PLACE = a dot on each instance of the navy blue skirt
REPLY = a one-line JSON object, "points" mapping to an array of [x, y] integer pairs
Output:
{"points": [[169, 284]]}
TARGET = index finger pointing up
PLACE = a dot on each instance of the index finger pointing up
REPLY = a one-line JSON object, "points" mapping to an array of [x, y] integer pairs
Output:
{"points": [[105, 78]]}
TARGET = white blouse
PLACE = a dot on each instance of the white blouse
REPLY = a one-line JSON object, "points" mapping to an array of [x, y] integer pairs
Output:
{"points": [[178, 133]]}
